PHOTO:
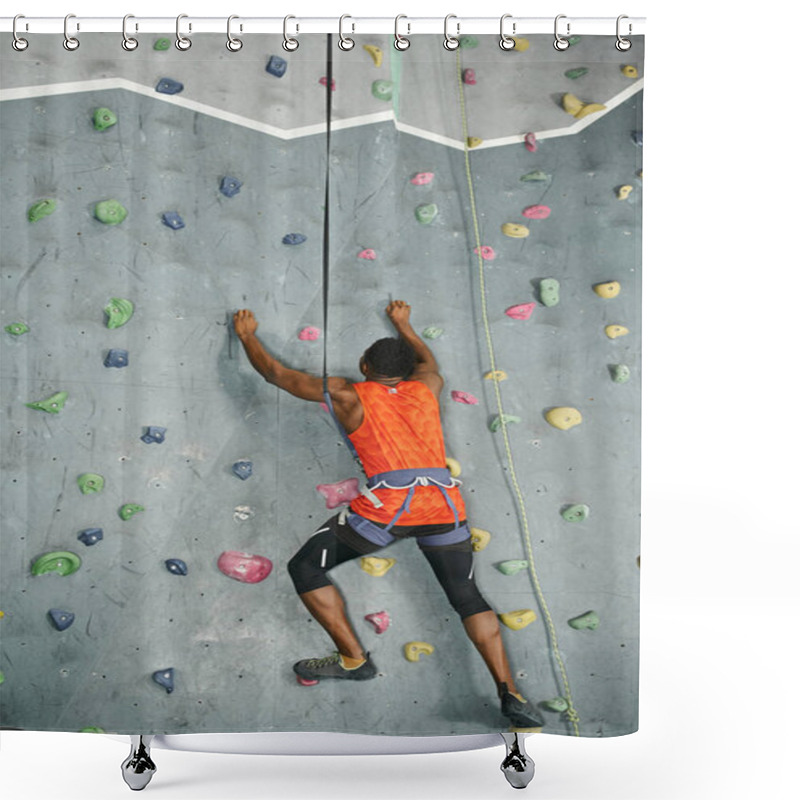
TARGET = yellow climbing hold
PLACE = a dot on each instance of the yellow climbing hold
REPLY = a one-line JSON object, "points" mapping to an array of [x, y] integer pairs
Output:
{"points": [[517, 620], [473, 141], [495, 375], [453, 466], [377, 567], [607, 290], [613, 331], [413, 650], [376, 53], [624, 191], [514, 231], [520, 43], [480, 538], [564, 417], [572, 105], [629, 71]]}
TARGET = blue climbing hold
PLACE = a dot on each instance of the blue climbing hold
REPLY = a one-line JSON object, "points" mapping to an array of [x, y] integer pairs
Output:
{"points": [[153, 434], [116, 358], [172, 219], [243, 469], [61, 619], [165, 678], [636, 138], [293, 238], [276, 66], [176, 566], [230, 186], [91, 536], [169, 86]]}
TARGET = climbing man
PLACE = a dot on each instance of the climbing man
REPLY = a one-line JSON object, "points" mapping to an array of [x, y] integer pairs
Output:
{"points": [[392, 420]]}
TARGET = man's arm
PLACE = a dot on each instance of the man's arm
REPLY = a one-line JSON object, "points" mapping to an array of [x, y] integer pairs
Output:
{"points": [[426, 370]]}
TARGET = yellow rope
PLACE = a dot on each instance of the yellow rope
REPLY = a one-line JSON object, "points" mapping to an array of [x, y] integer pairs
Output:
{"points": [[571, 713]]}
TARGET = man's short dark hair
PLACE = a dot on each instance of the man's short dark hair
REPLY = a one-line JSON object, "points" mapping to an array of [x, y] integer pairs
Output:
{"points": [[390, 357]]}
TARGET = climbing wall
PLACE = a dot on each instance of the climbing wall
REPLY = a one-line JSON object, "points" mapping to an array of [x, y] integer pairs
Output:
{"points": [[155, 487]]}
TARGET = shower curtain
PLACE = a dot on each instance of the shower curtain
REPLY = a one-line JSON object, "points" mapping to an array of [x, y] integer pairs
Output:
{"points": [[156, 487]]}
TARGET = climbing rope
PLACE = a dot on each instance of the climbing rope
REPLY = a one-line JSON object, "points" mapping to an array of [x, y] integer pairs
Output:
{"points": [[571, 714]]}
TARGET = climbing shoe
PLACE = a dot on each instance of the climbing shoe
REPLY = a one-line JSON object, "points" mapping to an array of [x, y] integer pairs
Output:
{"points": [[520, 713], [315, 669]]}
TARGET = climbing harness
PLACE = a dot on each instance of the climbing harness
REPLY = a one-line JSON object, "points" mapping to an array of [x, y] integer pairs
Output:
{"points": [[571, 714]]}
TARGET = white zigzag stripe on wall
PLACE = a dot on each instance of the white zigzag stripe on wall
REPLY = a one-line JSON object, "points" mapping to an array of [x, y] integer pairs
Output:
{"points": [[53, 89]]}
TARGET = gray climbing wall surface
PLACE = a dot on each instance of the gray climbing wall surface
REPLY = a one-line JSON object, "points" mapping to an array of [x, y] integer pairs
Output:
{"points": [[164, 422]]}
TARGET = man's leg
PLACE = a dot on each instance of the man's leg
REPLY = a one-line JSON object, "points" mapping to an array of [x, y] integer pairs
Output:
{"points": [[327, 607], [483, 630]]}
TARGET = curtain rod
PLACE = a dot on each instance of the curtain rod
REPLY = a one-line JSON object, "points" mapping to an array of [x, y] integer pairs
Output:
{"points": [[295, 25]]}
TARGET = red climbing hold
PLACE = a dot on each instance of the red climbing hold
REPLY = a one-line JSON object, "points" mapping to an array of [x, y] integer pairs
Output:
{"points": [[536, 212], [530, 142], [522, 311]]}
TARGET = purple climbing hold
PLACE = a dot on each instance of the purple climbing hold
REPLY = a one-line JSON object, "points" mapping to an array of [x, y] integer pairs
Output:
{"points": [[116, 358], [276, 66], [169, 86], [61, 619], [243, 469], [176, 566], [153, 434], [230, 186], [172, 219], [165, 678], [91, 536], [293, 238]]}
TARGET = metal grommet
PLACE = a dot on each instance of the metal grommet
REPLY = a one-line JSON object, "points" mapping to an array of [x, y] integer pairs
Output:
{"points": [[623, 44], [506, 42], [18, 43], [290, 44], [128, 42], [451, 42], [560, 43], [70, 42], [400, 42], [345, 43], [181, 42], [233, 44]]}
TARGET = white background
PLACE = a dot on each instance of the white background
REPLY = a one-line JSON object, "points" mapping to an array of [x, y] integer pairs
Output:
{"points": [[720, 610]]}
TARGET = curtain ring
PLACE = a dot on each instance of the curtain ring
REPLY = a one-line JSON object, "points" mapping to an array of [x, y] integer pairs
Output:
{"points": [[290, 44], [70, 42], [560, 43], [129, 43], [451, 42], [181, 42], [233, 44], [18, 43], [623, 44], [400, 42], [506, 42], [345, 43]]}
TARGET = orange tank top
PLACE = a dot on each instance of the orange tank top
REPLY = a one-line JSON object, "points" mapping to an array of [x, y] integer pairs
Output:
{"points": [[401, 430]]}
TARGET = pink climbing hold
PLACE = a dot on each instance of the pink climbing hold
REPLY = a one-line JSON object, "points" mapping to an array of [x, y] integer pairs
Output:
{"points": [[380, 620], [339, 494], [530, 142], [464, 397], [244, 567], [309, 334], [536, 212], [522, 311], [421, 178], [304, 682], [324, 81], [486, 252], [369, 254], [469, 77]]}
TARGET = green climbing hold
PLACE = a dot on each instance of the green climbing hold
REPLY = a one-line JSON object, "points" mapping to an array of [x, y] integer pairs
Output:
{"points": [[44, 208], [52, 405], [556, 704], [382, 90], [426, 213], [129, 509], [502, 419], [588, 621], [119, 312], [162, 44], [468, 42], [110, 212], [91, 483], [61, 562], [578, 72], [576, 513], [548, 291], [620, 373], [2, 677], [573, 39], [17, 328], [512, 567], [104, 118], [432, 332], [91, 730], [536, 175]]}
